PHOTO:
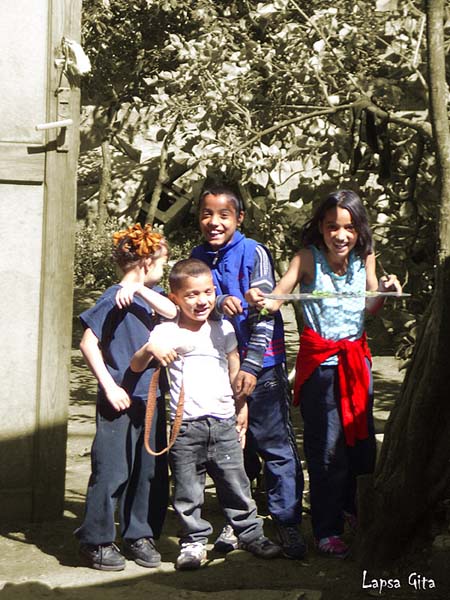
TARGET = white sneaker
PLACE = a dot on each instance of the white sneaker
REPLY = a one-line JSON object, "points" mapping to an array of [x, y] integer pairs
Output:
{"points": [[192, 556], [226, 541]]}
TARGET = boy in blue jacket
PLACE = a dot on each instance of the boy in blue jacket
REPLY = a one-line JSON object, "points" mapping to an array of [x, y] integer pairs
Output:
{"points": [[237, 264]]}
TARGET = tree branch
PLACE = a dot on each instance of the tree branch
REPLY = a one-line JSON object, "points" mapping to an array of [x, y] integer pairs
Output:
{"points": [[422, 127], [327, 43], [162, 173]]}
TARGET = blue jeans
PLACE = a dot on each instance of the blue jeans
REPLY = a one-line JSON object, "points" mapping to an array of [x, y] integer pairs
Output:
{"points": [[271, 435], [122, 472], [211, 446], [332, 465]]}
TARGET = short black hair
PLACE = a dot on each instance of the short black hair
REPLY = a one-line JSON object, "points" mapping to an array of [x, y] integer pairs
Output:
{"points": [[187, 267], [225, 189]]}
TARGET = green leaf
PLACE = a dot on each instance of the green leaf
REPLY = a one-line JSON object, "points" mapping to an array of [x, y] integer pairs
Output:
{"points": [[261, 178]]}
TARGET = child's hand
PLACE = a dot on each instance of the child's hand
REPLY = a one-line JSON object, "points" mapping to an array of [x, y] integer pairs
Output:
{"points": [[256, 298], [231, 306], [125, 295], [389, 283], [242, 423], [163, 354], [385, 283], [118, 398], [243, 385]]}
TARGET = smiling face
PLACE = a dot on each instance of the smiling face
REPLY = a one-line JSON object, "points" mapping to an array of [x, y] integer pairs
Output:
{"points": [[219, 220], [339, 233], [196, 298]]}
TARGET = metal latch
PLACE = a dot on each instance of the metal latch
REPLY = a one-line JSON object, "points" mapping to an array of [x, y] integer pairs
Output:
{"points": [[63, 115], [55, 124]]}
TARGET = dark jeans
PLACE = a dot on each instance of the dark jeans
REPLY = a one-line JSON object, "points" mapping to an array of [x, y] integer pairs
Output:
{"points": [[332, 465], [211, 446], [123, 472], [271, 435]]}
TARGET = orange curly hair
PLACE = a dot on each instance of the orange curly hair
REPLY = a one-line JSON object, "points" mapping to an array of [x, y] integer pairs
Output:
{"points": [[136, 242]]}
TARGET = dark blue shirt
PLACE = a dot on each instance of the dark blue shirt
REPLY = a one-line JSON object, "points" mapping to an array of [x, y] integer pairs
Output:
{"points": [[121, 331]]}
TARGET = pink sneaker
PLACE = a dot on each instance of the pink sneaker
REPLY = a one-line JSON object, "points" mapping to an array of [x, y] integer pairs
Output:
{"points": [[333, 547]]}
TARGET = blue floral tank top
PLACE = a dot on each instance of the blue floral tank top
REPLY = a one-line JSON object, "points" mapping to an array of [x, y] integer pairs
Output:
{"points": [[336, 318]]}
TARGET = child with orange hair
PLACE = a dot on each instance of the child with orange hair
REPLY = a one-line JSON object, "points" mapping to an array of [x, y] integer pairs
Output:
{"points": [[122, 470]]}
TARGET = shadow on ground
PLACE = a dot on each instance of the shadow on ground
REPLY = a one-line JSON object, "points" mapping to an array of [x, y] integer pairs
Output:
{"points": [[41, 560]]}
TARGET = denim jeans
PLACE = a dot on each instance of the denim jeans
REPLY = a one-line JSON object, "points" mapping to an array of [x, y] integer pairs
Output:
{"points": [[123, 472], [332, 465], [211, 446], [271, 435]]}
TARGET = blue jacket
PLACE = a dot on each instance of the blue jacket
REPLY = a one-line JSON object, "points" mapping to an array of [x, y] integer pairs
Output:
{"points": [[232, 268]]}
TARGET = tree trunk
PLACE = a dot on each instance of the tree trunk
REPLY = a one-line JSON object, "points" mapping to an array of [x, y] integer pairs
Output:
{"points": [[105, 185], [413, 472], [106, 176], [163, 173]]}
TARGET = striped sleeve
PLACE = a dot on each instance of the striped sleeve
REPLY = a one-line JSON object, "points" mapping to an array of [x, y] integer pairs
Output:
{"points": [[261, 327]]}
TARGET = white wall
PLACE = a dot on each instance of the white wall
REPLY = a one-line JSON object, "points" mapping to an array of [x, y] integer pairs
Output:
{"points": [[23, 69]]}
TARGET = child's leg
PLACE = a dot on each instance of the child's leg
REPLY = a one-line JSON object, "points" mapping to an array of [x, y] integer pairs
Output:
{"points": [[271, 428], [187, 460], [252, 462], [144, 505], [109, 476], [362, 455], [325, 451], [226, 467]]}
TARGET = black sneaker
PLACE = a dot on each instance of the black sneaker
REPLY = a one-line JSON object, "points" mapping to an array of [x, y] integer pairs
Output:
{"points": [[291, 541], [143, 552], [262, 547], [105, 557]]}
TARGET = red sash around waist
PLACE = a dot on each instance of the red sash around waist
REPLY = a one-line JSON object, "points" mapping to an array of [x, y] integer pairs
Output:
{"points": [[352, 372]]}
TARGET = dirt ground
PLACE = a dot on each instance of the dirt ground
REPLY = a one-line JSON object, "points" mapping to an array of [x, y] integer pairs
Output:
{"points": [[41, 560]]}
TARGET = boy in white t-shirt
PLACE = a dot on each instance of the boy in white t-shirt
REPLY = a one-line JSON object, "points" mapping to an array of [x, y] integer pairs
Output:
{"points": [[201, 354]]}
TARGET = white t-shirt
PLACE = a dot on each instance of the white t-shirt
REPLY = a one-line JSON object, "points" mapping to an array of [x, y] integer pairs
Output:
{"points": [[202, 367]]}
